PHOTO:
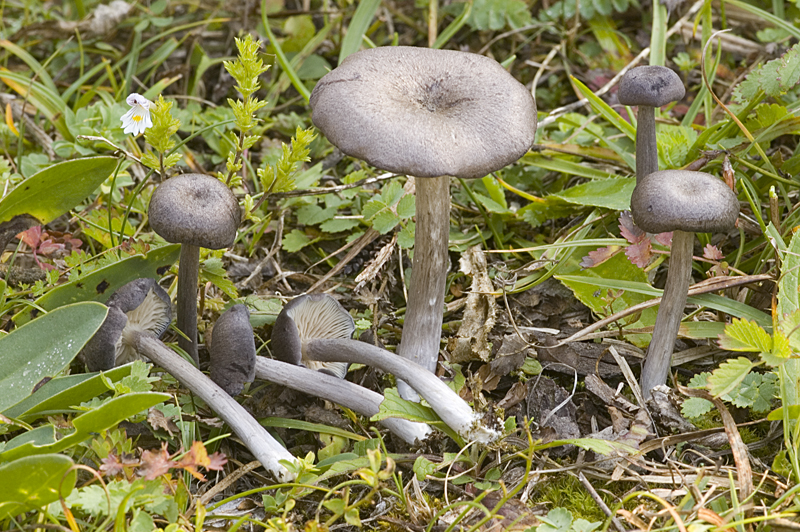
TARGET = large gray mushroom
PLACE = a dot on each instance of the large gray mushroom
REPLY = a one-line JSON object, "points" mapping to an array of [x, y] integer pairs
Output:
{"points": [[196, 211], [648, 87], [141, 305], [685, 203], [429, 114]]}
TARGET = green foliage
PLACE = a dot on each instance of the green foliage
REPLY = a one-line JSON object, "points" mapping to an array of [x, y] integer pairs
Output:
{"points": [[775, 77], [159, 136], [35, 481], [389, 208], [562, 520], [498, 14], [281, 177]]}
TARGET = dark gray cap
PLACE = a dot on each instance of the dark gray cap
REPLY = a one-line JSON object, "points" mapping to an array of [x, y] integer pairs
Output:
{"points": [[233, 350], [309, 317], [140, 305], [195, 209], [683, 200], [653, 86], [425, 112]]}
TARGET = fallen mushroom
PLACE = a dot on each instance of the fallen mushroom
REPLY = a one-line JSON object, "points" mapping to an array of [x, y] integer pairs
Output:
{"points": [[429, 114], [232, 350], [124, 334], [648, 87], [304, 318], [139, 305], [289, 346], [684, 202], [196, 211]]}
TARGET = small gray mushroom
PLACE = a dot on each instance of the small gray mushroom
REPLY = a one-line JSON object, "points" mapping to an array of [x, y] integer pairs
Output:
{"points": [[140, 305], [648, 87], [196, 211], [429, 114], [683, 202], [233, 350], [305, 318]]}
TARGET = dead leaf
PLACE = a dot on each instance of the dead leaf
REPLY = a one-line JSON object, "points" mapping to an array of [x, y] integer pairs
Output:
{"points": [[158, 420], [471, 342]]}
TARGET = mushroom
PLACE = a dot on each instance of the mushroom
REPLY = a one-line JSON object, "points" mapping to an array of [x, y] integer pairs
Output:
{"points": [[429, 114], [307, 317], [196, 211], [289, 346], [684, 202], [648, 87], [233, 350], [138, 339], [140, 305]]}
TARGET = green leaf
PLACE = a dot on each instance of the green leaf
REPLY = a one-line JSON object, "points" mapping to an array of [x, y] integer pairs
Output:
{"points": [[34, 482], [407, 207], [780, 352], [385, 221], [602, 108], [394, 406], [359, 24], [556, 520], [743, 335], [305, 426], [212, 270], [101, 283], [405, 239], [73, 180], [728, 375], [61, 393], [696, 407], [495, 15], [336, 226], [44, 347], [295, 241], [423, 467], [314, 214], [104, 417], [608, 193]]}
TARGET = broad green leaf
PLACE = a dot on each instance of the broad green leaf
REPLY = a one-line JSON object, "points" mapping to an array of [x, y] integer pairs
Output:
{"points": [[793, 412], [101, 283], [696, 407], [789, 304], [609, 193], [394, 406], [407, 207], [295, 240], [359, 25], [61, 393], [743, 335], [728, 375], [335, 226], [48, 194], [102, 418], [423, 467], [780, 352], [33, 482], [44, 347]]}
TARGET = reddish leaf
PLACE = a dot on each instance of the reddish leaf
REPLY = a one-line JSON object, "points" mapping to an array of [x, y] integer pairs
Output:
{"points": [[31, 237], [628, 229], [599, 256], [111, 466], [639, 254], [155, 464], [665, 239], [712, 253], [216, 461]]}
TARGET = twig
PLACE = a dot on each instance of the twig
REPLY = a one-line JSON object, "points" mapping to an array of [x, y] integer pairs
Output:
{"points": [[600, 502]]}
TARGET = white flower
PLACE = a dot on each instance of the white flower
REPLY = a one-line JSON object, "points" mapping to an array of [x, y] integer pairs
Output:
{"points": [[138, 118]]}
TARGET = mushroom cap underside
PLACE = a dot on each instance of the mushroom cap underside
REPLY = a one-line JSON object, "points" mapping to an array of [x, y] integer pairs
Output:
{"points": [[195, 209], [652, 86], [683, 200], [425, 112]]}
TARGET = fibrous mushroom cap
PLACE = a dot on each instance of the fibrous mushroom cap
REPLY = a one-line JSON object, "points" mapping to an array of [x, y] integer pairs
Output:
{"points": [[140, 305], [683, 200], [425, 112], [195, 209], [233, 350], [310, 317], [653, 86]]}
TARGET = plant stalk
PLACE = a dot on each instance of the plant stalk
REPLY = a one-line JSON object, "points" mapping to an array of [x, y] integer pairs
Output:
{"points": [[646, 144], [188, 274]]}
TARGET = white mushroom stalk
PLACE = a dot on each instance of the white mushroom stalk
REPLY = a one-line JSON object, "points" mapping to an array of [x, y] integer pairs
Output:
{"points": [[263, 446], [452, 410], [430, 114], [342, 392]]}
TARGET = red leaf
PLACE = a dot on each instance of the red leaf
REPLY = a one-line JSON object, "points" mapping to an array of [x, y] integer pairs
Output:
{"points": [[216, 461], [628, 229], [31, 237], [639, 254], [111, 466], [665, 239], [599, 256], [712, 253], [155, 464]]}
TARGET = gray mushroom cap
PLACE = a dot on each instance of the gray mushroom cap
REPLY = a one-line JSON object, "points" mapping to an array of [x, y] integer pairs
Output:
{"points": [[683, 200], [310, 317], [425, 112], [233, 350], [195, 209], [653, 86], [140, 305]]}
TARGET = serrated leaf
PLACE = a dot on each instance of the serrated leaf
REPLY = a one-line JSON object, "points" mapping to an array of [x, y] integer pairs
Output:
{"points": [[314, 214], [406, 207], [696, 407], [295, 241], [336, 226], [728, 375], [385, 221], [744, 335], [780, 352], [372, 208], [405, 239]]}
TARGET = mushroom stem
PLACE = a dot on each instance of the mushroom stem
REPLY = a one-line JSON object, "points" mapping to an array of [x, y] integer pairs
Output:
{"points": [[668, 321], [646, 144], [255, 437], [350, 395], [188, 274], [453, 410], [423, 322]]}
